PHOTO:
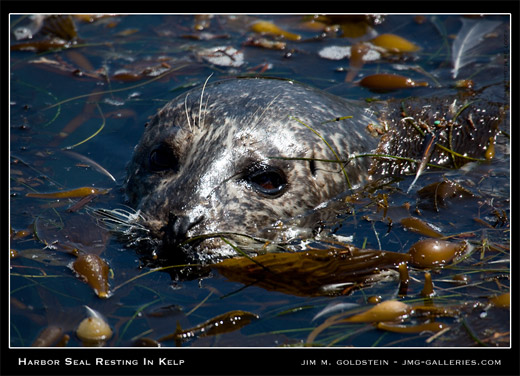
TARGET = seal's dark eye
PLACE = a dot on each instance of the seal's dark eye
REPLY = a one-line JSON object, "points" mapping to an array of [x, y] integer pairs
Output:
{"points": [[267, 180], [162, 159]]}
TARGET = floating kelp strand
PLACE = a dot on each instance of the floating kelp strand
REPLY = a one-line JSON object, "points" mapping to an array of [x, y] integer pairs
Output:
{"points": [[501, 301], [419, 328], [60, 26], [65, 68], [490, 151], [63, 341], [358, 51], [313, 25], [394, 43], [420, 70], [374, 299], [428, 290], [353, 28], [22, 234], [73, 193], [41, 46], [80, 204], [439, 193], [429, 253], [389, 82], [227, 322], [462, 279], [389, 310], [419, 226], [81, 61], [202, 21], [314, 272], [48, 337], [404, 278], [94, 270], [464, 84], [266, 27]]}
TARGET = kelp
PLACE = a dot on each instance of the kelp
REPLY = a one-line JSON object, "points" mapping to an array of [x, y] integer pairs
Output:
{"points": [[60, 32], [435, 253], [72, 193], [311, 273], [394, 43], [225, 323], [266, 27], [93, 270], [384, 82]]}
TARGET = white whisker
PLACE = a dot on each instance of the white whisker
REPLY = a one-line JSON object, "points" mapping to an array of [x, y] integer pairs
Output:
{"points": [[205, 111], [186, 109], [202, 95], [264, 111], [120, 220]]}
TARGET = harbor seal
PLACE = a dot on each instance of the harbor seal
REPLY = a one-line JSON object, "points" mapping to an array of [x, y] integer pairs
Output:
{"points": [[224, 164]]}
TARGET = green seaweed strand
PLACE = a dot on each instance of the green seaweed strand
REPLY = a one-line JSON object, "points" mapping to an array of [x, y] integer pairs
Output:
{"points": [[94, 134]]}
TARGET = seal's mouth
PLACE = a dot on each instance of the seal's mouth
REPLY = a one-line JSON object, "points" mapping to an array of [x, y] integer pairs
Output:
{"points": [[173, 242], [133, 229]]}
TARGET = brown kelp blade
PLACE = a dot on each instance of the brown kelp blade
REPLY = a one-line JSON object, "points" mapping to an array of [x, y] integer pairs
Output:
{"points": [[311, 273]]}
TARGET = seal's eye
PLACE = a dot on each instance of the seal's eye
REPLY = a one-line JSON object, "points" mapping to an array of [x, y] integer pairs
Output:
{"points": [[162, 158], [267, 180]]}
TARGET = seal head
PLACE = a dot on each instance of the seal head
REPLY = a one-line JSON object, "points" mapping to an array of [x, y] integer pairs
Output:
{"points": [[238, 156]]}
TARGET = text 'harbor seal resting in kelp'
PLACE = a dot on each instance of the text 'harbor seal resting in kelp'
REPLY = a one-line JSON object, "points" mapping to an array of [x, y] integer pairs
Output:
{"points": [[222, 165]]}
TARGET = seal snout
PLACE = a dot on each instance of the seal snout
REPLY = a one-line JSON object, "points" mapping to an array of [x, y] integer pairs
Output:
{"points": [[177, 227]]}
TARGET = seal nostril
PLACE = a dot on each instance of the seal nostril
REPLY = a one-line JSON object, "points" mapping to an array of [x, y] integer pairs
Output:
{"points": [[178, 226]]}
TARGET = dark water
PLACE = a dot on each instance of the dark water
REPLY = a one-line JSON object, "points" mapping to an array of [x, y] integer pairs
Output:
{"points": [[137, 64]]}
